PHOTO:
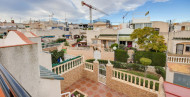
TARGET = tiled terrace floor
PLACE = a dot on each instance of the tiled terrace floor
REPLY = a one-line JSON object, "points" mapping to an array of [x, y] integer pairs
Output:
{"points": [[94, 89]]}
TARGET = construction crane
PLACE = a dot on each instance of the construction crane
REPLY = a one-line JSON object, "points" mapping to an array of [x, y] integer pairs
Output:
{"points": [[90, 10], [125, 16]]}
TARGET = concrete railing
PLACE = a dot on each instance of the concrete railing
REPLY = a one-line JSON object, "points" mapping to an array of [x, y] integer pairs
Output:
{"points": [[67, 66], [79, 48], [138, 81], [177, 59], [89, 65]]}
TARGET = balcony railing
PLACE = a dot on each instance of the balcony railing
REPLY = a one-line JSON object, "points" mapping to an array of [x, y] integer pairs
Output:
{"points": [[143, 82], [176, 59], [10, 87], [89, 65], [67, 66]]}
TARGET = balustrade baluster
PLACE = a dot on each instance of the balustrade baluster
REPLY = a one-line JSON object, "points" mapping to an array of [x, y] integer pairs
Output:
{"points": [[135, 79], [148, 84], [153, 85], [139, 81], [143, 82]]}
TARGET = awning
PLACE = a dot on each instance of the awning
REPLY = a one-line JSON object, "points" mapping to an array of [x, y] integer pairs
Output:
{"points": [[107, 38], [126, 38]]}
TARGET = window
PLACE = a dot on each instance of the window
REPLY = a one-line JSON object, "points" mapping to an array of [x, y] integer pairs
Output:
{"points": [[123, 42], [157, 29], [110, 43], [187, 48], [94, 41]]}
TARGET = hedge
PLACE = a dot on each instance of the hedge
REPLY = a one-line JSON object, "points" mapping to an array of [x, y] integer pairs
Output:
{"points": [[158, 58], [131, 66], [161, 71], [121, 55]]}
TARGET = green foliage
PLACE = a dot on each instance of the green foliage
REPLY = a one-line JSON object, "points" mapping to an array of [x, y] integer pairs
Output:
{"points": [[145, 61], [151, 76], [1, 36], [149, 39], [66, 43], [78, 40], [115, 44], [55, 55], [158, 58], [116, 64], [121, 55], [122, 46], [59, 40], [161, 71]]}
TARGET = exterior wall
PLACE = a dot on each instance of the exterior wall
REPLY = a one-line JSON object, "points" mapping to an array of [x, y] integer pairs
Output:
{"points": [[71, 76], [169, 75], [88, 54], [23, 63], [164, 27], [11, 37], [107, 55], [49, 88], [128, 89], [26, 69], [92, 74]]}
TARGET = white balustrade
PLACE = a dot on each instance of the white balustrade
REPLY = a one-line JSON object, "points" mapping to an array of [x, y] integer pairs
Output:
{"points": [[176, 59], [67, 66], [139, 81], [89, 65]]}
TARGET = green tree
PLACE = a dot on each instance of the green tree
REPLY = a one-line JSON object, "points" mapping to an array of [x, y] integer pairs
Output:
{"points": [[66, 43], [149, 39], [146, 62], [55, 55], [115, 44], [78, 40]]}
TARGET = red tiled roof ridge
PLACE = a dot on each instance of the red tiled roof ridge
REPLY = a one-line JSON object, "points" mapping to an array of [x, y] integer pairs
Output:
{"points": [[23, 37], [33, 34]]}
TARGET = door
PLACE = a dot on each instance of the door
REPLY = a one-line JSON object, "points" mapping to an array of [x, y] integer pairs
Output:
{"points": [[129, 43], [179, 49], [104, 42], [102, 74]]}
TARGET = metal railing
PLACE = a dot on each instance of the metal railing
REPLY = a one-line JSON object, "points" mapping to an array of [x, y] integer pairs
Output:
{"points": [[10, 87]]}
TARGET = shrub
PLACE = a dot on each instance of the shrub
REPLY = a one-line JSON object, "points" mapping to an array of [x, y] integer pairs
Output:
{"points": [[56, 55], [160, 70], [158, 58], [145, 61], [115, 44], [121, 55], [66, 43], [116, 64], [78, 40], [59, 40]]}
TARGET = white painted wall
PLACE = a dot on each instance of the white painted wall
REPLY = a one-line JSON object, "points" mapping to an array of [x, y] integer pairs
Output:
{"points": [[169, 75], [12, 39], [23, 63]]}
